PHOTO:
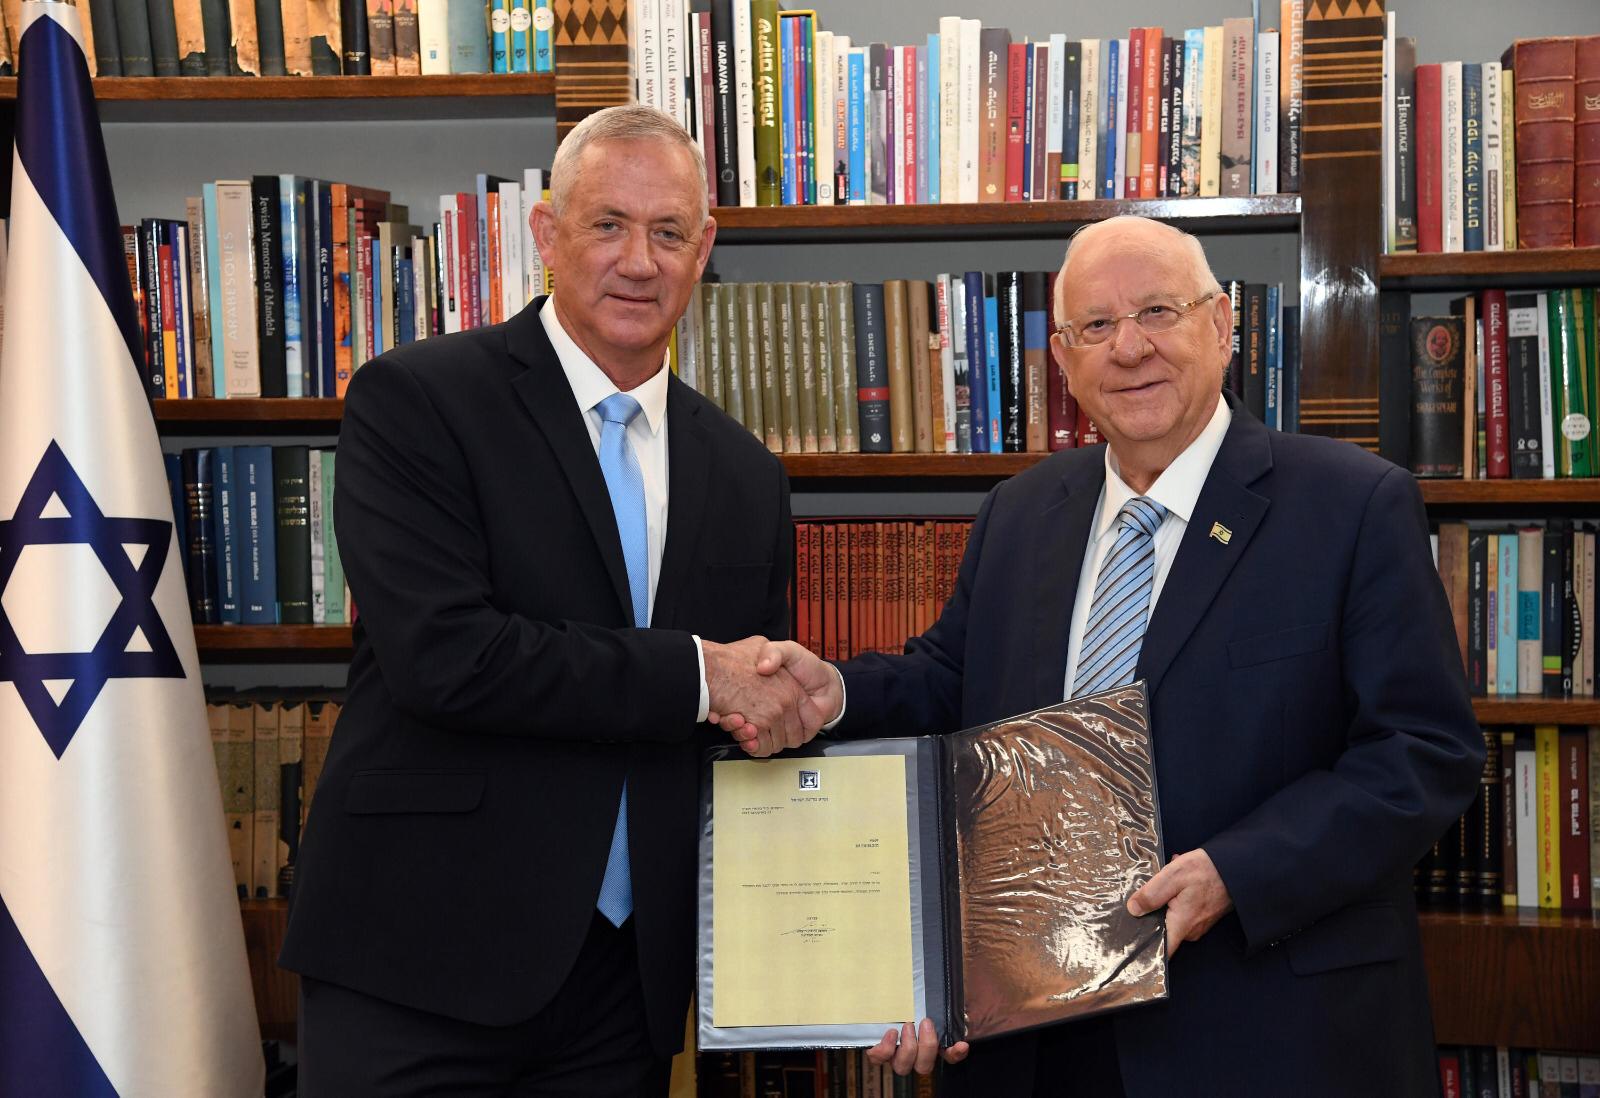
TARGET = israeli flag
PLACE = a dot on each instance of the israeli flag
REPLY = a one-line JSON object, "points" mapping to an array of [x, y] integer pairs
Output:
{"points": [[122, 960]]}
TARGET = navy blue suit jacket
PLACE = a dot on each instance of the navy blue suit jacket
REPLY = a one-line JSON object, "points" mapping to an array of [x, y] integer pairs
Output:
{"points": [[1312, 730]]}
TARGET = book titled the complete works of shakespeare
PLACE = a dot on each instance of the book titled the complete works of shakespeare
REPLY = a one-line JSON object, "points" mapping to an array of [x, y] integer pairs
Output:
{"points": [[979, 879]]}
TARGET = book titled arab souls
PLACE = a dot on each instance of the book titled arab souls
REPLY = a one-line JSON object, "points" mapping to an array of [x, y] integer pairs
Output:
{"points": [[979, 879]]}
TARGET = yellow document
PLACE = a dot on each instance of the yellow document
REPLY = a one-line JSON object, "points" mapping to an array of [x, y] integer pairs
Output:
{"points": [[811, 918]]}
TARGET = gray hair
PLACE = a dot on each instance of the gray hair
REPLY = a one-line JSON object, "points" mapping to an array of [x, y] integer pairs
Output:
{"points": [[1186, 245], [627, 122]]}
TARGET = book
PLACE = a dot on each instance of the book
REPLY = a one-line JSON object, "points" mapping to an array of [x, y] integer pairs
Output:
{"points": [[1545, 113], [872, 393], [1438, 360]]}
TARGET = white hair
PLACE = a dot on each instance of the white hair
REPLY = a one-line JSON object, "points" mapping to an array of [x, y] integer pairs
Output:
{"points": [[1187, 246], [627, 122]]}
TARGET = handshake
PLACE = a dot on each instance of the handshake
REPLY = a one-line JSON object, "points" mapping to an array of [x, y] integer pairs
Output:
{"points": [[770, 695]]}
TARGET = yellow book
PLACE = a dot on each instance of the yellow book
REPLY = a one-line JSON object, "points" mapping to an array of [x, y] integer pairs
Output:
{"points": [[1211, 115], [1508, 155], [1547, 769]]}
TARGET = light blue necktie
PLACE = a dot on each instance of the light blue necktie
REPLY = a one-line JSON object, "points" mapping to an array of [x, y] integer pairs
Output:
{"points": [[625, 483], [1121, 607]]}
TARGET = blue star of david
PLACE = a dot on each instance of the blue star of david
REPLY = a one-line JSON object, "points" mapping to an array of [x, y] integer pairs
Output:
{"points": [[84, 524]]}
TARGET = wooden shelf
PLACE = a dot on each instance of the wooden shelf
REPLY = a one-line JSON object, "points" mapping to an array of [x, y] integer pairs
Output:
{"points": [[1488, 492], [277, 991], [145, 89], [1458, 270], [1527, 978], [1534, 709], [858, 466], [992, 220], [273, 643], [275, 414]]}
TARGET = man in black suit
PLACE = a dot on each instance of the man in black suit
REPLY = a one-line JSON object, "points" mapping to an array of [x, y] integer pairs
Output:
{"points": [[548, 537], [1312, 729]]}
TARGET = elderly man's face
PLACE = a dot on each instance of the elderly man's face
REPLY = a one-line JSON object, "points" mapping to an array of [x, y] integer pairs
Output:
{"points": [[1144, 391], [626, 251]]}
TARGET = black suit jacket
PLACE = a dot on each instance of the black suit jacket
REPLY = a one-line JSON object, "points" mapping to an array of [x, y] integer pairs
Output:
{"points": [[1312, 732], [498, 695]]}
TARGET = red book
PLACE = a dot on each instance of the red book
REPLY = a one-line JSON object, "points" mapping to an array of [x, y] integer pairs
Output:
{"points": [[467, 203], [1430, 160], [1492, 304], [1016, 116], [1545, 119], [799, 601], [1449, 1075], [1134, 153], [1150, 115], [908, 107], [814, 595], [1575, 822], [1586, 134]]}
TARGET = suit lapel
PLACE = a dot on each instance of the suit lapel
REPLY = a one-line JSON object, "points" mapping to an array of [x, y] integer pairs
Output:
{"points": [[1203, 561], [688, 469], [543, 389], [1063, 536]]}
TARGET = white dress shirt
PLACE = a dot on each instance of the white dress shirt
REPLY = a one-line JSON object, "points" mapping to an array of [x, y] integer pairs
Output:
{"points": [[648, 436], [1177, 489]]}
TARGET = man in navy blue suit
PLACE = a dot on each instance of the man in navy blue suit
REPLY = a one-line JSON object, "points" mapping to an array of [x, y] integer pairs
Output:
{"points": [[1313, 733]]}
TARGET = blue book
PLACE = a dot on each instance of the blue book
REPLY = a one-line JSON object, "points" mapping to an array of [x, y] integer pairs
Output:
{"points": [[925, 123], [325, 332], [521, 25], [405, 301], [1107, 123], [931, 159], [225, 535], [1274, 364], [467, 36], [1472, 157], [806, 144], [1290, 342], [1506, 615], [500, 34], [544, 23], [213, 247], [977, 358], [375, 292], [1029, 106], [991, 357], [291, 226], [786, 126], [257, 536], [856, 122]]}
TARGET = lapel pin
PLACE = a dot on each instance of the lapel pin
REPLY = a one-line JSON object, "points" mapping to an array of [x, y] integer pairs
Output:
{"points": [[1221, 533]]}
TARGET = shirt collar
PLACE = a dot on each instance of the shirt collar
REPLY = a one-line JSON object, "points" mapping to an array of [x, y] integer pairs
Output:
{"points": [[1178, 487], [589, 383]]}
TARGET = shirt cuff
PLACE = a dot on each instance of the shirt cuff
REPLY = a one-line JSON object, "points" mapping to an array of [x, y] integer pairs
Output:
{"points": [[705, 688], [844, 700]]}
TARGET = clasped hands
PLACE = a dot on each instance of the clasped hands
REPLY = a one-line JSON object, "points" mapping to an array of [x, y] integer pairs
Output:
{"points": [[770, 695]]}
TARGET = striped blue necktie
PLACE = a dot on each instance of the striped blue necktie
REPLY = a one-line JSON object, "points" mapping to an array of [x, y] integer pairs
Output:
{"points": [[625, 483], [1121, 608]]}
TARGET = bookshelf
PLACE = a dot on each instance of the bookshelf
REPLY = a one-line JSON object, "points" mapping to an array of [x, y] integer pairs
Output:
{"points": [[1521, 978]]}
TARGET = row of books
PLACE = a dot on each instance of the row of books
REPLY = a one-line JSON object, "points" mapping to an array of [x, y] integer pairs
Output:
{"points": [[310, 37], [1523, 602], [1483, 1071], [824, 1073], [865, 585], [269, 750], [1495, 155], [1504, 387], [958, 364], [1529, 839], [790, 114], [256, 526], [281, 285]]}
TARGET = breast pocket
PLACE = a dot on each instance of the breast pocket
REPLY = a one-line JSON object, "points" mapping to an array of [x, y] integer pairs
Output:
{"points": [[1281, 644]]}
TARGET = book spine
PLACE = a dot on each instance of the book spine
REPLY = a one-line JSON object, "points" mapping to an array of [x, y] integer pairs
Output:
{"points": [[724, 106], [1586, 142], [820, 339], [1291, 27], [1430, 158], [1493, 306], [977, 369], [1405, 146], [1472, 200], [872, 393], [225, 516], [521, 28], [994, 50], [1234, 151], [768, 107], [1013, 377], [1266, 111], [1493, 161], [200, 555], [1437, 391], [291, 511], [1546, 117], [269, 32], [407, 39]]}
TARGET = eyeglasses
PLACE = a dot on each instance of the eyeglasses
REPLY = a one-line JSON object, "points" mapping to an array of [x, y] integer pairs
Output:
{"points": [[1152, 320]]}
